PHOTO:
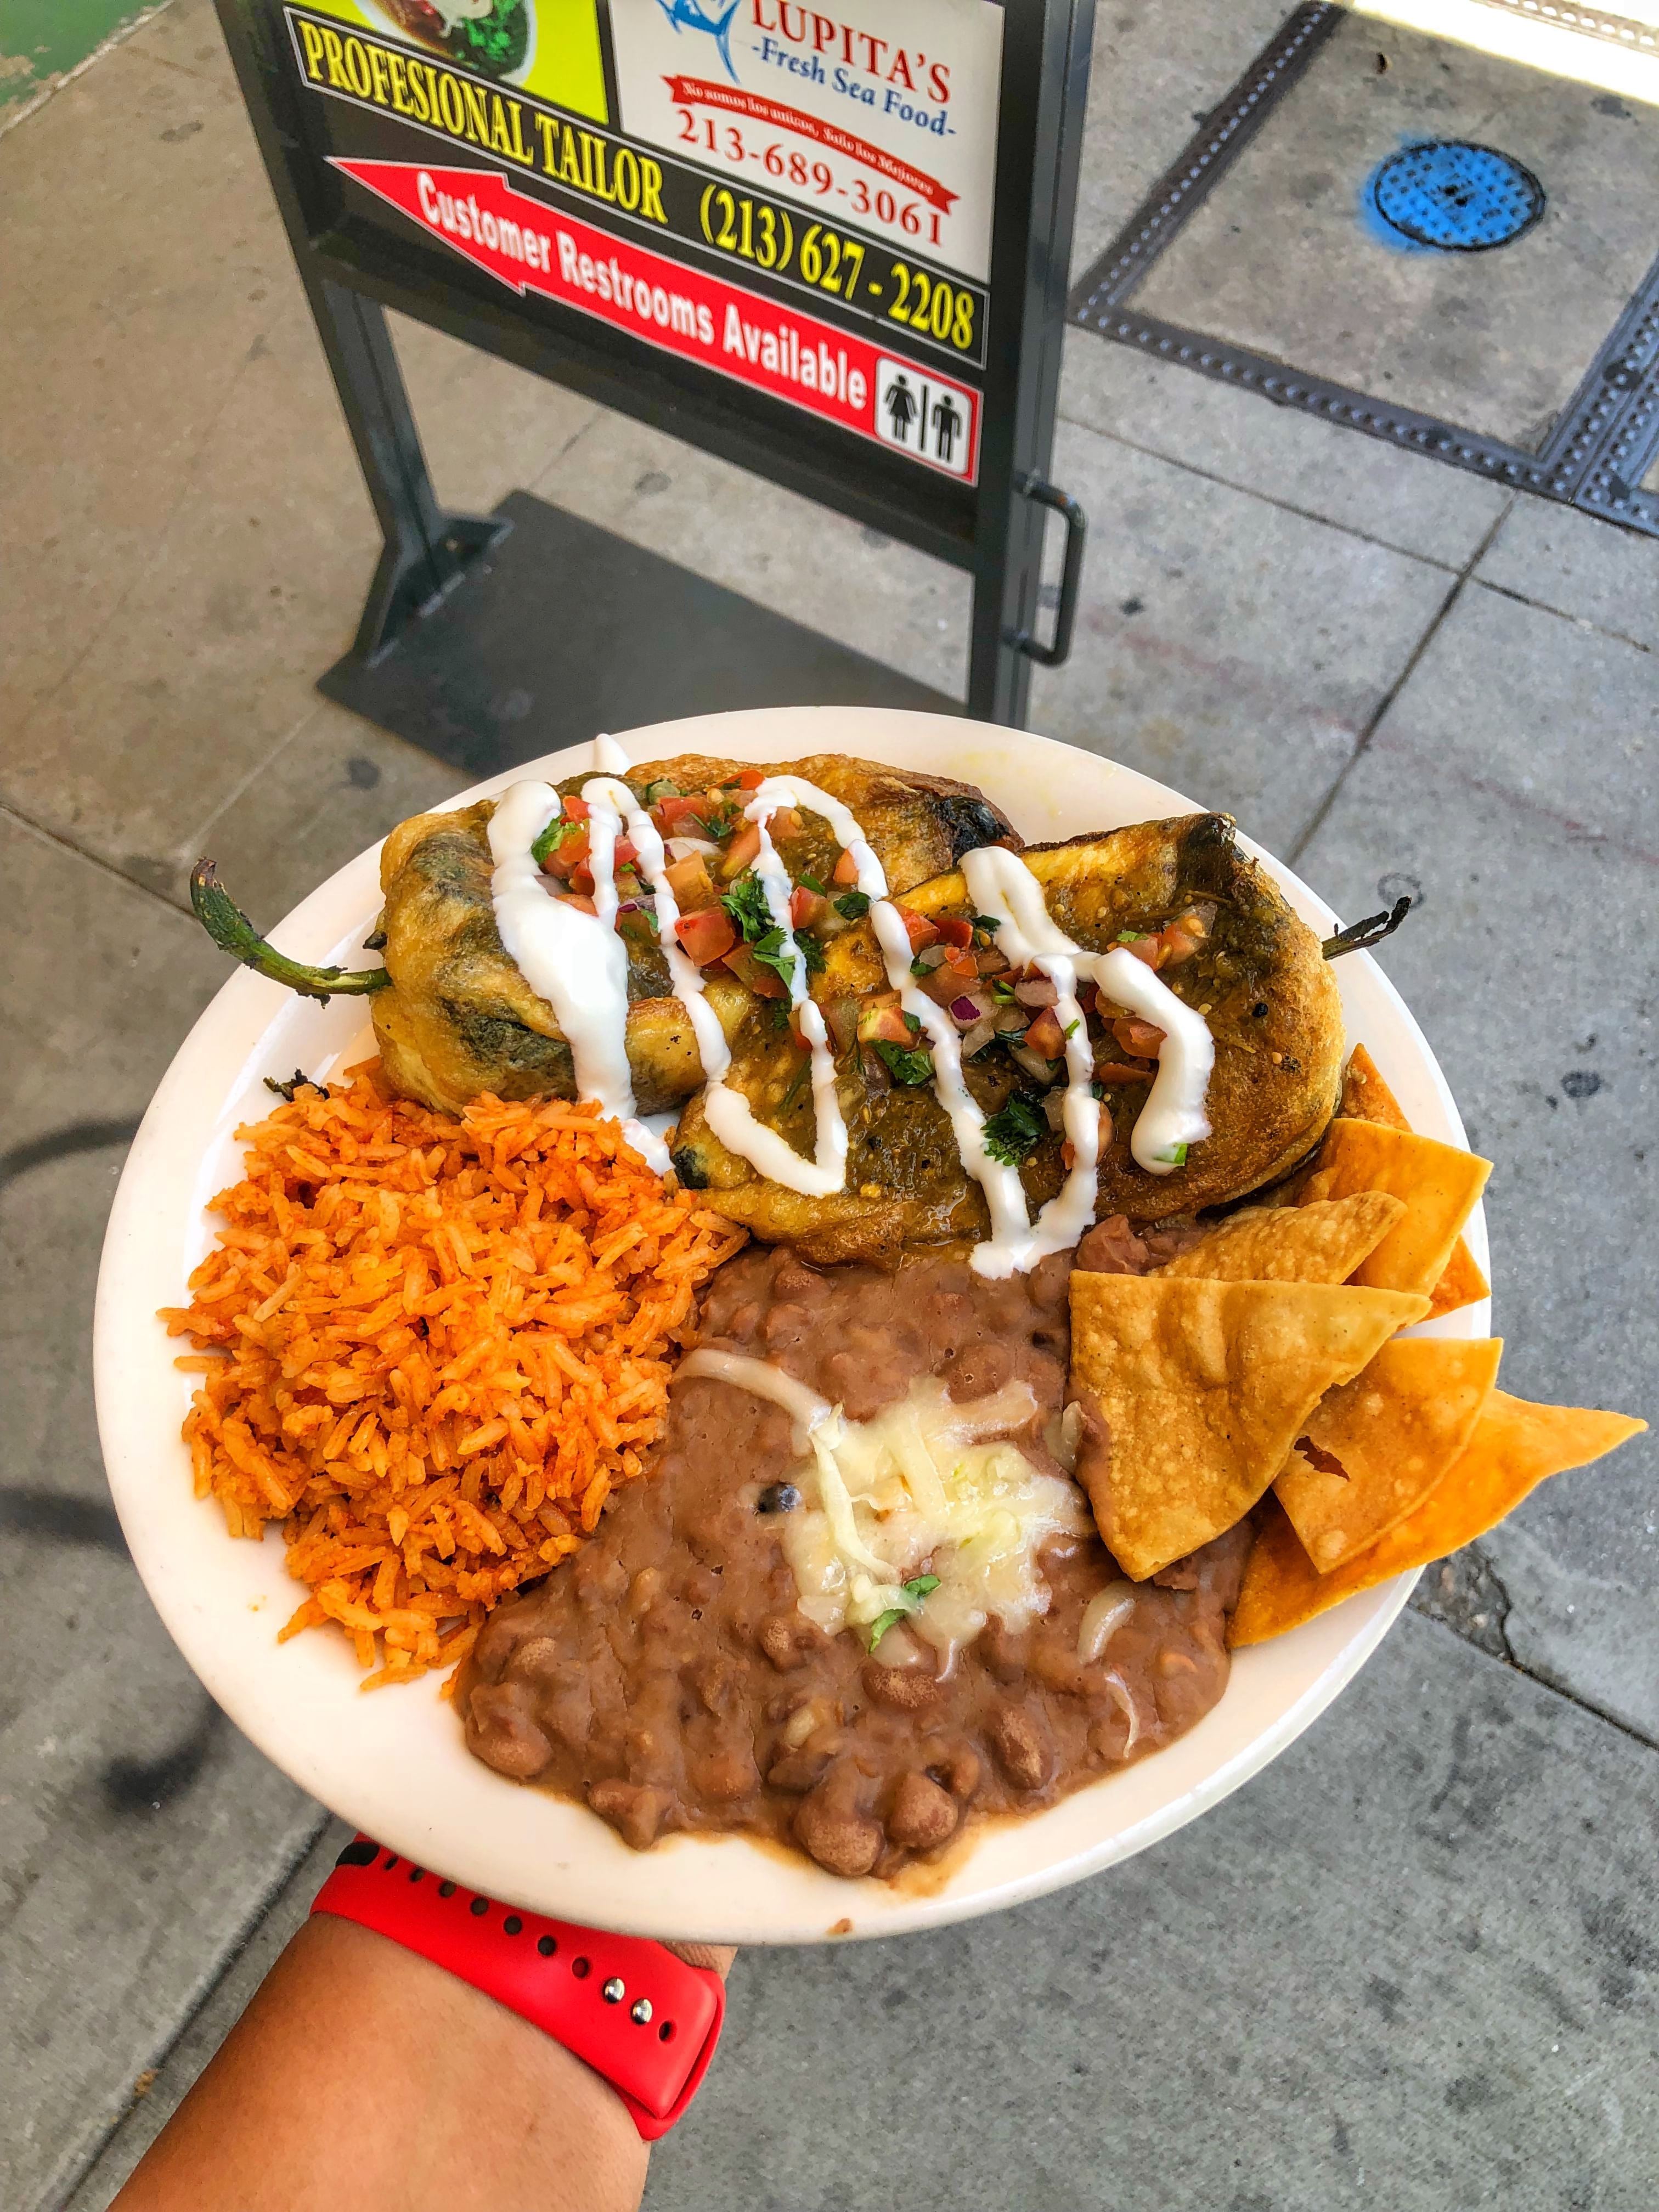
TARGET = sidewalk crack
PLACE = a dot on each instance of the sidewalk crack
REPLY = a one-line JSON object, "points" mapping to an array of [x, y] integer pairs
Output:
{"points": [[1413, 662]]}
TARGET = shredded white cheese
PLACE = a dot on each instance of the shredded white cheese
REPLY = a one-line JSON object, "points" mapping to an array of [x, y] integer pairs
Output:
{"points": [[922, 1490]]}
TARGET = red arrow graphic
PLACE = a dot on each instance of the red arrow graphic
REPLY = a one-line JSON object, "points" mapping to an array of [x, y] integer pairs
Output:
{"points": [[477, 211], [530, 248]]}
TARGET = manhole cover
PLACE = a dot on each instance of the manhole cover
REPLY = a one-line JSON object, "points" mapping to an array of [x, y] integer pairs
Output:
{"points": [[1460, 197]]}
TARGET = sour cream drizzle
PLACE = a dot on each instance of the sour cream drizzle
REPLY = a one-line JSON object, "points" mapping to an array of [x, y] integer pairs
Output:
{"points": [[576, 961], [1173, 1116], [578, 964], [728, 1112]]}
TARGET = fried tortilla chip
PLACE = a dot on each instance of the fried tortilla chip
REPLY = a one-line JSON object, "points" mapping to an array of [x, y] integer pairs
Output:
{"points": [[1194, 1392], [1367, 1097], [1439, 1183], [1375, 1448], [1514, 1447], [1459, 1284], [1323, 1242]]}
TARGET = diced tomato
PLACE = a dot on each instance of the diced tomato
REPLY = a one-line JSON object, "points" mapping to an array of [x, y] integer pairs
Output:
{"points": [[752, 778], [843, 1015], [627, 850], [581, 881], [1119, 1071], [941, 986], [679, 816], [1136, 1035], [1149, 949], [1046, 1036], [1087, 997], [763, 982], [1178, 944], [565, 858], [784, 825], [741, 852], [808, 909], [706, 935], [577, 809], [691, 884], [922, 933], [846, 870], [956, 929], [881, 1021], [576, 899], [959, 962], [796, 1031]]}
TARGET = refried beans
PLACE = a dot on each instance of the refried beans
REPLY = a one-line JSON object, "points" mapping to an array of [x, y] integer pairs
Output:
{"points": [[667, 1678]]}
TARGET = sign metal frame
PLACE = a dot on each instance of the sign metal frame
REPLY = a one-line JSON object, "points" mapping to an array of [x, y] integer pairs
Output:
{"points": [[354, 269]]}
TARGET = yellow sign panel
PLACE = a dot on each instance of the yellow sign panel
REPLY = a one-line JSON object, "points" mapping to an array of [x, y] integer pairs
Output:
{"points": [[548, 48]]}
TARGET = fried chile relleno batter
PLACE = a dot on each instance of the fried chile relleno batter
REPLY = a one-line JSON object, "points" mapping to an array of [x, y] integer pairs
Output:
{"points": [[455, 1016], [1225, 940], [668, 1678], [461, 1019]]}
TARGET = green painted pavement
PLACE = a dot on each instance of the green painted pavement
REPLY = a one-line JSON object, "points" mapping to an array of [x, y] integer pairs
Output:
{"points": [[41, 40]]}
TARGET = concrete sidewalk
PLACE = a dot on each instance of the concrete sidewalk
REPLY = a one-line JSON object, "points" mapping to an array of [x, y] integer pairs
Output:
{"points": [[1414, 1963]]}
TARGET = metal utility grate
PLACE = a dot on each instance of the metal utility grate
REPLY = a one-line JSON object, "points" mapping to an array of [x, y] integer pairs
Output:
{"points": [[1457, 198], [1600, 447]]}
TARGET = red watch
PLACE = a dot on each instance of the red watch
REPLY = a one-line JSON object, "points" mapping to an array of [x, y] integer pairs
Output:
{"points": [[625, 2006]]}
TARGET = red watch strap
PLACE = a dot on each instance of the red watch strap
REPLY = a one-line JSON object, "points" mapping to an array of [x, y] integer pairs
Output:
{"points": [[625, 2006]]}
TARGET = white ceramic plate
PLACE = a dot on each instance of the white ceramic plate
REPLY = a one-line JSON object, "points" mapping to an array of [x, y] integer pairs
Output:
{"points": [[393, 1761]]}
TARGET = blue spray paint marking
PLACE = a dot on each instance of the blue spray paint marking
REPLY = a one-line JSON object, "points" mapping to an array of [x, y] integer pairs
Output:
{"points": [[1447, 196], [694, 16]]}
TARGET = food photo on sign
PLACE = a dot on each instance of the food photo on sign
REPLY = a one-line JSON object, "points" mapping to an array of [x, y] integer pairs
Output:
{"points": [[548, 47]]}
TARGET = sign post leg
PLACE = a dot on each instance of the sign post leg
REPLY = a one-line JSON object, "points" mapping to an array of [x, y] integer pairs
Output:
{"points": [[1045, 82], [1006, 573], [427, 551]]}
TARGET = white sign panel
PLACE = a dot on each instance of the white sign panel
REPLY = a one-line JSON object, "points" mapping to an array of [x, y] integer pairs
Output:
{"points": [[879, 113]]}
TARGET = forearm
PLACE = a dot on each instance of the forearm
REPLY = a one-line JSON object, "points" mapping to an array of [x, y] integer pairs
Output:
{"points": [[363, 2072]]}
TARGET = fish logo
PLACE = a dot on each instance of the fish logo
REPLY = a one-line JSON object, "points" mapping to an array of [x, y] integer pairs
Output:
{"points": [[706, 16]]}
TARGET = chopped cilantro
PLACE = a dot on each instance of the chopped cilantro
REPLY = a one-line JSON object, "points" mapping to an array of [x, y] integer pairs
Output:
{"points": [[1001, 992], [919, 1587], [812, 883], [746, 904], [661, 786], [993, 922], [1012, 1135], [1130, 936], [903, 1065], [853, 906], [559, 831], [772, 951], [921, 966], [1174, 1154]]}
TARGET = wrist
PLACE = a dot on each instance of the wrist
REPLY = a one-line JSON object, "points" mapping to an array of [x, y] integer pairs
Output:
{"points": [[639, 2017]]}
